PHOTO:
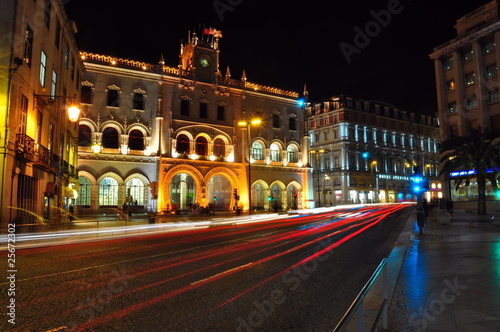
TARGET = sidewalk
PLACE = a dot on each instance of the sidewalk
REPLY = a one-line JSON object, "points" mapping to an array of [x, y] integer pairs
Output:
{"points": [[450, 276]]}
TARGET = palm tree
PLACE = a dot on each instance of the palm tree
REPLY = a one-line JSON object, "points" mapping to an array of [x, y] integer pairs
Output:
{"points": [[477, 151]]}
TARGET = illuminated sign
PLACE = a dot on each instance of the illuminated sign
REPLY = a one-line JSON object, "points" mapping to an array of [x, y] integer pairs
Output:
{"points": [[472, 172]]}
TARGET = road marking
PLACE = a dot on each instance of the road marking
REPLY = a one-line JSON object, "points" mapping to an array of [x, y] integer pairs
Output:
{"points": [[215, 276]]}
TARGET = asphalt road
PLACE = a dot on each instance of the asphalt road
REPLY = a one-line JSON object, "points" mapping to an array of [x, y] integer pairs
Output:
{"points": [[297, 274]]}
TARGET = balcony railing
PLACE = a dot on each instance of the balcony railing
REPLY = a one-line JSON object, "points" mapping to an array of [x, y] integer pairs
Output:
{"points": [[25, 147], [42, 157]]}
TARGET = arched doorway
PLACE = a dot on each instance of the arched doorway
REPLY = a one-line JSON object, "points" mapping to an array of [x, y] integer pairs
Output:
{"points": [[276, 198], [219, 187], [108, 192], [258, 193], [182, 192], [292, 198]]}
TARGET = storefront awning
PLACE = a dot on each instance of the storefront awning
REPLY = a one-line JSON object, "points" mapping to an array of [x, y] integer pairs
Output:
{"points": [[51, 189]]}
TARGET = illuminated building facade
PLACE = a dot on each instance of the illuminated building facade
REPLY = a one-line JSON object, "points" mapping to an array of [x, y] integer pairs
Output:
{"points": [[468, 95], [40, 72], [161, 138], [364, 151]]}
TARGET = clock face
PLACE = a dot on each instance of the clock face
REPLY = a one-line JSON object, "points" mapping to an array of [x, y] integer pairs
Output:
{"points": [[204, 62]]}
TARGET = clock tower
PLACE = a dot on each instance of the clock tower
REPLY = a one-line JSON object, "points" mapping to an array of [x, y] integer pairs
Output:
{"points": [[200, 56]]}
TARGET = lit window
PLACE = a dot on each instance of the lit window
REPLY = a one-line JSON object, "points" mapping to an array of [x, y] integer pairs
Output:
{"points": [[452, 107], [275, 152], [291, 154], [43, 67], [450, 85], [257, 151], [53, 86]]}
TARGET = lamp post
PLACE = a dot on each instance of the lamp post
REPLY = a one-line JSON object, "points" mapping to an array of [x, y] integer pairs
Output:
{"points": [[247, 125], [374, 183]]}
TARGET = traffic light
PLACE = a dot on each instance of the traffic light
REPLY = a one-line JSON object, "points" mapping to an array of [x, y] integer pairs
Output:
{"points": [[418, 184], [235, 194], [215, 198], [365, 154]]}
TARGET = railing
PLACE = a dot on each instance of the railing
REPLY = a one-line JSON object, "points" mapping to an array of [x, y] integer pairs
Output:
{"points": [[357, 307], [43, 156], [25, 147]]}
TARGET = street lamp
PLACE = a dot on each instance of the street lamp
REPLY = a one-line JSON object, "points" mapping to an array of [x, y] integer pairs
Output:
{"points": [[247, 125], [374, 183]]}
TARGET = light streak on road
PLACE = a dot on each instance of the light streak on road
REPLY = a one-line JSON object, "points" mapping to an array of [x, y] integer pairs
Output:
{"points": [[334, 228]]}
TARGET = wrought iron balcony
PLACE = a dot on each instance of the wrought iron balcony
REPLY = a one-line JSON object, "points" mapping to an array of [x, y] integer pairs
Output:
{"points": [[25, 148]]}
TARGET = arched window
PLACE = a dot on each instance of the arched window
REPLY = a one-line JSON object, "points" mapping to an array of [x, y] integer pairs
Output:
{"points": [[136, 140], [84, 136], [291, 154], [201, 146], [84, 192], [108, 192], [110, 138], [182, 145], [275, 152], [136, 191], [257, 151], [219, 147]]}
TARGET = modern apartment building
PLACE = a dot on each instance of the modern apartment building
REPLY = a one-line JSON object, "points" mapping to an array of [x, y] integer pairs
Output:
{"points": [[468, 92]]}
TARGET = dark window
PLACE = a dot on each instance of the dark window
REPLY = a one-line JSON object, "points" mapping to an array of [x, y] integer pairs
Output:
{"points": [[138, 101], [276, 121], [46, 17], [110, 138], [185, 107], [182, 145], [292, 123], [136, 140], [221, 113], [495, 124], [201, 146], [58, 34], [84, 136], [66, 56], [28, 45], [219, 148], [204, 110], [113, 98], [86, 95]]}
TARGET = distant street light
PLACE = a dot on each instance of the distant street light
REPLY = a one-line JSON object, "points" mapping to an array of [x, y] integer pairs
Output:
{"points": [[247, 125]]}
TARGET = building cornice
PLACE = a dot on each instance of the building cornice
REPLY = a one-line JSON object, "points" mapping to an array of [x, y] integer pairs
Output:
{"points": [[455, 44]]}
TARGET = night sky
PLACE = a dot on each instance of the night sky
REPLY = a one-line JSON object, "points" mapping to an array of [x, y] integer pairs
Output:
{"points": [[287, 44]]}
